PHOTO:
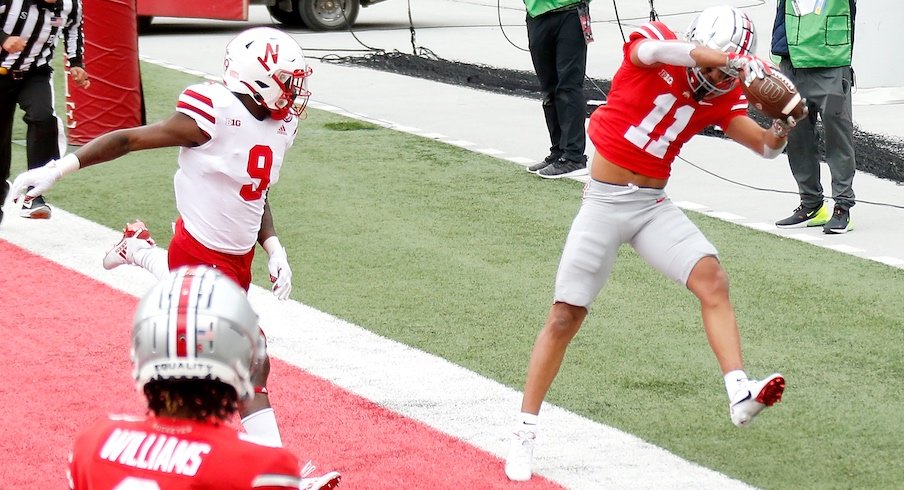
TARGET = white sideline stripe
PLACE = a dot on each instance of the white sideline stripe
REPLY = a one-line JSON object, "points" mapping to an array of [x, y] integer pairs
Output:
{"points": [[724, 215], [894, 261], [572, 450], [435, 136], [846, 249], [761, 226], [489, 151], [690, 205], [804, 238], [407, 129], [520, 160]]}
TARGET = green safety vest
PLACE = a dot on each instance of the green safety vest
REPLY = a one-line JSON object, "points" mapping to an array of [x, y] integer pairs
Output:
{"points": [[821, 39], [540, 7]]}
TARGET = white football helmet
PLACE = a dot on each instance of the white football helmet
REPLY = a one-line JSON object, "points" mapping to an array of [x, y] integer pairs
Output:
{"points": [[196, 324], [726, 29], [268, 65]]}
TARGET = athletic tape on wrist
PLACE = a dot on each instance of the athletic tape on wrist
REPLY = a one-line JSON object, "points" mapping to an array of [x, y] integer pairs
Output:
{"points": [[271, 245], [68, 164]]}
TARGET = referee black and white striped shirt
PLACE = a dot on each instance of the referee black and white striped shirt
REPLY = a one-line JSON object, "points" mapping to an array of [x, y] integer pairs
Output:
{"points": [[40, 23]]}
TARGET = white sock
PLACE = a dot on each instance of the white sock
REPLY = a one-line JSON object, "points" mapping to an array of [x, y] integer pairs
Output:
{"points": [[528, 421], [734, 381], [262, 424], [153, 259]]}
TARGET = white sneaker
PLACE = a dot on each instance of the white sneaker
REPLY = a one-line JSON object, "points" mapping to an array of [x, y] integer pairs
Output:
{"points": [[520, 457], [753, 397], [135, 236], [328, 481]]}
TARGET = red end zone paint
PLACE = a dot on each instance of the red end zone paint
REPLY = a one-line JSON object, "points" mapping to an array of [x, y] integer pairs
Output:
{"points": [[66, 363]]}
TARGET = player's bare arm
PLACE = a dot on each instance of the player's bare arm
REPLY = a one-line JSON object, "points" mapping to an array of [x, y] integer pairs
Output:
{"points": [[278, 259], [766, 142], [267, 228], [176, 130]]}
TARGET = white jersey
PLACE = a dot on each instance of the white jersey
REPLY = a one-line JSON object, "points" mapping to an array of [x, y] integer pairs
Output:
{"points": [[221, 186]]}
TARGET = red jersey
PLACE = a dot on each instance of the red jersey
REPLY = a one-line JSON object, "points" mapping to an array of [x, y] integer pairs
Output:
{"points": [[651, 112], [139, 453]]}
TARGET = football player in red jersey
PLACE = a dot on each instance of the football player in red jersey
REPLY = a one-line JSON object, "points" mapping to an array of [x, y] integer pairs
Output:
{"points": [[233, 137], [665, 91], [195, 344]]}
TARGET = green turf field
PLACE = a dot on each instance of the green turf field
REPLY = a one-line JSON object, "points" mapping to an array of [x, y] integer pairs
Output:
{"points": [[455, 252]]}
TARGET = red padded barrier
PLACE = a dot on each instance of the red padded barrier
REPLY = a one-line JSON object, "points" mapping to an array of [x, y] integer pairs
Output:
{"points": [[114, 99]]}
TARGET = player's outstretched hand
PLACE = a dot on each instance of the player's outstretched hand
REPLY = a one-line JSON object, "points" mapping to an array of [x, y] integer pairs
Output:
{"points": [[35, 182], [783, 126], [280, 272]]}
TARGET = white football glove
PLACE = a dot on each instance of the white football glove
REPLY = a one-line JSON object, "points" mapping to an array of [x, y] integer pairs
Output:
{"points": [[42, 179], [278, 265], [751, 66]]}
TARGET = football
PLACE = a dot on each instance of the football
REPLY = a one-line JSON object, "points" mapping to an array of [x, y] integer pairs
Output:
{"points": [[773, 96]]}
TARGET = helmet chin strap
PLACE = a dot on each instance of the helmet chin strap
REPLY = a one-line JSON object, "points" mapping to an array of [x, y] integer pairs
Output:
{"points": [[280, 114]]}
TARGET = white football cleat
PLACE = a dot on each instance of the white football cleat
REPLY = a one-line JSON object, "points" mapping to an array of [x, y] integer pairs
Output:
{"points": [[753, 397], [327, 481], [135, 236], [520, 459]]}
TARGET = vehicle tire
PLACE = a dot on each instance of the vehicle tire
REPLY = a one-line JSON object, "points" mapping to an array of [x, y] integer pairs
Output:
{"points": [[291, 19], [144, 23], [327, 15]]}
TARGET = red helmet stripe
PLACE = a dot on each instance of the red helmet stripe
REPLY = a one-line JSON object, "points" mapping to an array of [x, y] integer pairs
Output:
{"points": [[185, 294], [748, 34]]}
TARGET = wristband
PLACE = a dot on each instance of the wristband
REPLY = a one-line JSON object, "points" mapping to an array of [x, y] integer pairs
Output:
{"points": [[67, 164], [271, 245], [770, 153]]}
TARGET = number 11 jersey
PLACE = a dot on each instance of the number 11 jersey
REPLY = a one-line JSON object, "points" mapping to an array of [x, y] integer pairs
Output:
{"points": [[650, 112]]}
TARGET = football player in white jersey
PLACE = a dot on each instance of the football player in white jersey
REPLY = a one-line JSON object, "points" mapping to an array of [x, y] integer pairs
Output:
{"points": [[233, 137]]}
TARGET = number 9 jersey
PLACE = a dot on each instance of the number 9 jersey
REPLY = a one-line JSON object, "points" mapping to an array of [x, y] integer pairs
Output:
{"points": [[651, 112], [221, 186]]}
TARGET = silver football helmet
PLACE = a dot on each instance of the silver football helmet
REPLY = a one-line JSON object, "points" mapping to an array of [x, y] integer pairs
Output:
{"points": [[268, 65], [726, 29], [196, 324]]}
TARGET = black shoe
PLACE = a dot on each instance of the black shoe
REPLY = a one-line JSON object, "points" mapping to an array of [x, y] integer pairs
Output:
{"points": [[549, 160], [564, 168], [804, 216], [840, 222], [35, 208]]}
